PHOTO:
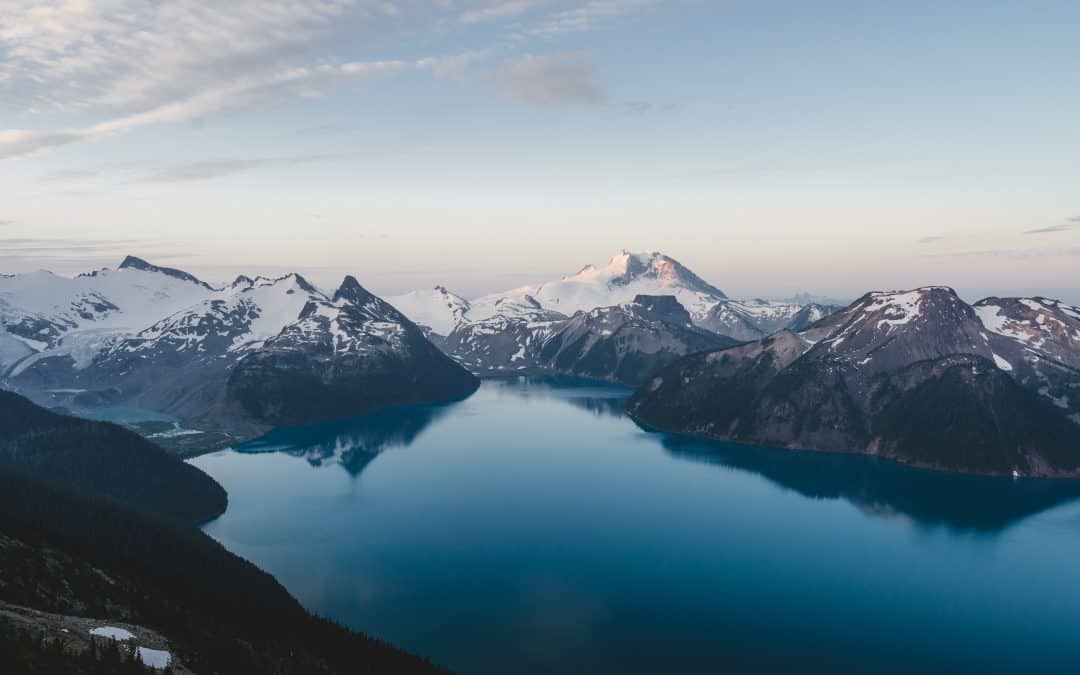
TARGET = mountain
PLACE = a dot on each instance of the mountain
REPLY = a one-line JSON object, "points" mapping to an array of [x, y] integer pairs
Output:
{"points": [[437, 310], [342, 357], [755, 319], [115, 538], [626, 343], [160, 339], [43, 315], [915, 376], [623, 278], [180, 363], [508, 340]]}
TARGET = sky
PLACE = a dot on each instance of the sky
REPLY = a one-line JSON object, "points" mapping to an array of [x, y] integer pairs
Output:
{"points": [[773, 147]]}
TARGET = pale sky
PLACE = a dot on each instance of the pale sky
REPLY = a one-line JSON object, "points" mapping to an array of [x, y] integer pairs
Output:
{"points": [[773, 147]]}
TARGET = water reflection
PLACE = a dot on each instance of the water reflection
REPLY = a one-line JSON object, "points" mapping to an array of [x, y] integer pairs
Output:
{"points": [[350, 443], [887, 489], [877, 487], [603, 399]]}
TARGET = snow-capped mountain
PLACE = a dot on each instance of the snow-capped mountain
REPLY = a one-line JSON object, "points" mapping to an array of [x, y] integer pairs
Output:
{"points": [[757, 318], [436, 309], [920, 376], [343, 356], [626, 276], [509, 339], [179, 363], [43, 312]]}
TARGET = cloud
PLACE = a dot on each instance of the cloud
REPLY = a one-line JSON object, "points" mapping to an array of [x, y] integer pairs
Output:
{"points": [[68, 174], [646, 107], [135, 63], [5, 223], [1013, 254], [1069, 224], [501, 10], [206, 170], [246, 90], [583, 17], [930, 240], [551, 79]]}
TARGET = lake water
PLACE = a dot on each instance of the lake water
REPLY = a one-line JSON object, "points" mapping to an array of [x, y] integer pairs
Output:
{"points": [[533, 528]]}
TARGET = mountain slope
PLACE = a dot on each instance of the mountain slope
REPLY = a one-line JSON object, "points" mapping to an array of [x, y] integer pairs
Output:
{"points": [[914, 376], [103, 461], [1047, 333]]}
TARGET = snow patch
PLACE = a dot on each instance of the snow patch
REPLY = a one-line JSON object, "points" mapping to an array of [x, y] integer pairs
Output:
{"points": [[113, 633]]}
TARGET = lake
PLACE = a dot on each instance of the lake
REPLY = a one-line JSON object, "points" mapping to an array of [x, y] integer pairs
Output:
{"points": [[533, 528]]}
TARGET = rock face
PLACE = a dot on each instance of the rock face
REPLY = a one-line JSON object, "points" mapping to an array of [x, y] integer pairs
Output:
{"points": [[914, 376], [626, 343], [343, 356]]}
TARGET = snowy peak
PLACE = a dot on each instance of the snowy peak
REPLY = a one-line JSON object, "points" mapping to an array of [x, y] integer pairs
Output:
{"points": [[351, 291], [625, 268], [436, 309], [133, 263]]}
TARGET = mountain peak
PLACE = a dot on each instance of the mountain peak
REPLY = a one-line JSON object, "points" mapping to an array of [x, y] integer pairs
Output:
{"points": [[626, 267], [135, 263], [352, 291]]}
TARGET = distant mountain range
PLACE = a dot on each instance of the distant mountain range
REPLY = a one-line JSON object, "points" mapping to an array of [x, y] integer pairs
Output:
{"points": [[260, 352], [510, 331], [919, 376], [243, 357]]}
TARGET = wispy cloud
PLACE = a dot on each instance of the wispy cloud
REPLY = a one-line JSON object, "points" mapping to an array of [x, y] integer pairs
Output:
{"points": [[551, 79], [646, 107], [932, 239], [15, 143], [502, 10], [68, 174], [134, 63], [582, 17], [206, 170], [1069, 224], [1013, 254]]}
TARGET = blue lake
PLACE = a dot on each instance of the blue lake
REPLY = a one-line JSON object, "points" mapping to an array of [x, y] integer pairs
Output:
{"points": [[533, 528]]}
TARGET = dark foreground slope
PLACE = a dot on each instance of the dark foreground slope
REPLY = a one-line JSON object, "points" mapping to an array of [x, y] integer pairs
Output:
{"points": [[71, 552], [910, 376], [104, 461]]}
